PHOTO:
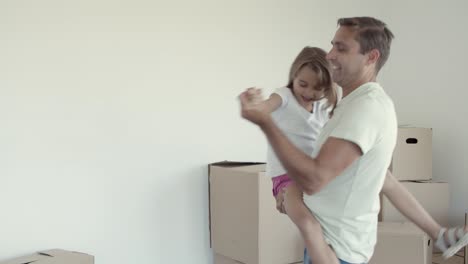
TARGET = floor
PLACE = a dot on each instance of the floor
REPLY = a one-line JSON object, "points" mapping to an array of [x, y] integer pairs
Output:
{"points": [[457, 259]]}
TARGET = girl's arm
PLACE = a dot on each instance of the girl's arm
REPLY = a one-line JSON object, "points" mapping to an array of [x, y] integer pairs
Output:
{"points": [[405, 202], [273, 102], [269, 105]]}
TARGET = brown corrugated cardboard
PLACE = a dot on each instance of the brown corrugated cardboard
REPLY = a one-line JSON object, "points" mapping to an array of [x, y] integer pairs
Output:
{"points": [[433, 196], [412, 158], [438, 259], [53, 256], [225, 164], [245, 225], [401, 243], [220, 259]]}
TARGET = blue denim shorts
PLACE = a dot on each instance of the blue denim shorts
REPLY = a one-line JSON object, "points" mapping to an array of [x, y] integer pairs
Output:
{"points": [[308, 261]]}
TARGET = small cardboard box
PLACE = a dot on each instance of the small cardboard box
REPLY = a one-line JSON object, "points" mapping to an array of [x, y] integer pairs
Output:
{"points": [[412, 158], [433, 196], [244, 223], [53, 256], [401, 243]]}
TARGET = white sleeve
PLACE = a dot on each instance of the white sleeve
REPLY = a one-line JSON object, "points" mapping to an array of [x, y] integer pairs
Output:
{"points": [[361, 124], [322, 111], [285, 93]]}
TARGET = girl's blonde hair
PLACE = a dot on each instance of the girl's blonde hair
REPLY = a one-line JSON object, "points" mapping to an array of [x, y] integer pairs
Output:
{"points": [[315, 59]]}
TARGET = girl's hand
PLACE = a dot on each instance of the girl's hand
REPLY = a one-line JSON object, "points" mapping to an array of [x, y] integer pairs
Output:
{"points": [[253, 107], [291, 194], [279, 202]]}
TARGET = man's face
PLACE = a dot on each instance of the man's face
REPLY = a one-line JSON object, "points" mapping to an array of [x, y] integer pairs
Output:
{"points": [[348, 64]]}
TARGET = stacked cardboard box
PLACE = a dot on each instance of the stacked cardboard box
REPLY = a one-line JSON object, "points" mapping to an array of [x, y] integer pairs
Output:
{"points": [[220, 259], [412, 157], [412, 166], [401, 243], [245, 226], [433, 196]]}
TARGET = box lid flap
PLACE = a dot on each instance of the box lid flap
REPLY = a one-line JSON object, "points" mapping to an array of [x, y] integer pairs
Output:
{"points": [[228, 163], [53, 256]]}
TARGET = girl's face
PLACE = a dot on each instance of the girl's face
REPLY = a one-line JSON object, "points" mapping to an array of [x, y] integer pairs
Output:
{"points": [[305, 88]]}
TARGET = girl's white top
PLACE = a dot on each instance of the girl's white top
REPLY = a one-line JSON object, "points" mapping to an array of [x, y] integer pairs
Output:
{"points": [[300, 126]]}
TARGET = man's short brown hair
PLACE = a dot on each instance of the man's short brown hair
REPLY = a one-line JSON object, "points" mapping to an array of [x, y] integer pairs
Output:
{"points": [[371, 34]]}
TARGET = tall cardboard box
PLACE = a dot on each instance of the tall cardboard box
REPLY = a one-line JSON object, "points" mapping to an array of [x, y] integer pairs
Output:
{"points": [[433, 196], [412, 158], [53, 256], [401, 243], [244, 223]]}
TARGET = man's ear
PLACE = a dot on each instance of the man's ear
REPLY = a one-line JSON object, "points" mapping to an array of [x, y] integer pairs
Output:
{"points": [[373, 56]]}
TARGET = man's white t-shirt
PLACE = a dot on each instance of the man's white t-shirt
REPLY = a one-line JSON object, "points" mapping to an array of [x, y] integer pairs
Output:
{"points": [[348, 206], [300, 126]]}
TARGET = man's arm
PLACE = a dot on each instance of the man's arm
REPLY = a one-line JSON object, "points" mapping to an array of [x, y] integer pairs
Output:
{"points": [[310, 174], [273, 102]]}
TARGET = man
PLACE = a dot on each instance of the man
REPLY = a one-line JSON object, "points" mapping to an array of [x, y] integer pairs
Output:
{"points": [[343, 179]]}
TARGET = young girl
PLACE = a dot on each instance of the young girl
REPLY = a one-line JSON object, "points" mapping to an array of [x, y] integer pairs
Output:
{"points": [[300, 110]]}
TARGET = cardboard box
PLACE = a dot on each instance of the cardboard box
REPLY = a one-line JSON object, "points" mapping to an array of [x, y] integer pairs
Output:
{"points": [[53, 256], [244, 223], [401, 243], [438, 259], [220, 259], [433, 196], [412, 158]]}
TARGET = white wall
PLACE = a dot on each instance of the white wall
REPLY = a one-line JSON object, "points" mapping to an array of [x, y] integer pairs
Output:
{"points": [[426, 77], [110, 111]]}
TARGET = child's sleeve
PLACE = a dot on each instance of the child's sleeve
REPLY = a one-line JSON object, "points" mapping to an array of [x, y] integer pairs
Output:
{"points": [[285, 94]]}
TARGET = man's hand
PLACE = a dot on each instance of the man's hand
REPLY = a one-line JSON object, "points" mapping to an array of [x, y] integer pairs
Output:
{"points": [[253, 108]]}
